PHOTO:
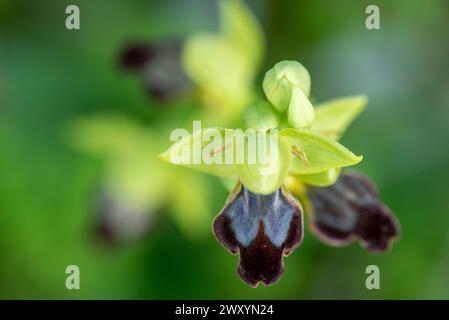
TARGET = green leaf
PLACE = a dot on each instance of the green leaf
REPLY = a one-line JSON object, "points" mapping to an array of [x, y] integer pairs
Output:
{"points": [[315, 152], [321, 179], [334, 116], [300, 112], [267, 175], [207, 150]]}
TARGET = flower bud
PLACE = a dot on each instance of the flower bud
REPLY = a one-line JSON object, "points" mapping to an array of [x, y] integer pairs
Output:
{"points": [[287, 87], [281, 79], [300, 111]]}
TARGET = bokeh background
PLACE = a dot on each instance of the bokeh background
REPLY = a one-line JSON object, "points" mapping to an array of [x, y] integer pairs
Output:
{"points": [[50, 75]]}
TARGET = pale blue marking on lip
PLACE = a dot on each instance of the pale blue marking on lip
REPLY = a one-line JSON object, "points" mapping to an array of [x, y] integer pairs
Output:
{"points": [[277, 219], [248, 209]]}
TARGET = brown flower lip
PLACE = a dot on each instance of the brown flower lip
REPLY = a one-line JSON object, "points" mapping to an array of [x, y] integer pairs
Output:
{"points": [[351, 209], [118, 220], [159, 66], [263, 228]]}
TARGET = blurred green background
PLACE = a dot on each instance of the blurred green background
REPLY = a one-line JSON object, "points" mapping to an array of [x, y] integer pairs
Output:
{"points": [[49, 75]]}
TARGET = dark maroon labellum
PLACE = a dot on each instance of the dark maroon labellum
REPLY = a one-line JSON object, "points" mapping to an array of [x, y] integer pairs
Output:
{"points": [[351, 209], [118, 220], [159, 66], [263, 228]]}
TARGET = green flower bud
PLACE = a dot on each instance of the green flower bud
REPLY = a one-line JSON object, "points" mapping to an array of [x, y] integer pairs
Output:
{"points": [[300, 112], [281, 79], [287, 87], [260, 115]]}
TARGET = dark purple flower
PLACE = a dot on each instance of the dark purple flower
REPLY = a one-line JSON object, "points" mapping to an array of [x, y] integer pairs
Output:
{"points": [[350, 209], [159, 66], [118, 220], [263, 228]]}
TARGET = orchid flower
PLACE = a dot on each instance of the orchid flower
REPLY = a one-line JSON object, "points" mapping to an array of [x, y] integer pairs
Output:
{"points": [[217, 68], [263, 217], [132, 187]]}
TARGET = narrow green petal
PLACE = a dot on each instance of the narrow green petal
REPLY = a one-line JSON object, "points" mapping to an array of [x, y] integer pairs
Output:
{"points": [[207, 59], [316, 152], [243, 29], [300, 112], [223, 65], [321, 179], [334, 116]]}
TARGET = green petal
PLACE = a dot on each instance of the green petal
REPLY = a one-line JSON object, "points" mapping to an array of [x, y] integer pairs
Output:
{"points": [[316, 152], [206, 150], [267, 177], [243, 29], [217, 66], [300, 112], [223, 65], [321, 179], [334, 116], [260, 115]]}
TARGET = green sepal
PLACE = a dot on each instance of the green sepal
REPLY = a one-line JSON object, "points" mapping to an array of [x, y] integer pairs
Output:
{"points": [[315, 152], [334, 116]]}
